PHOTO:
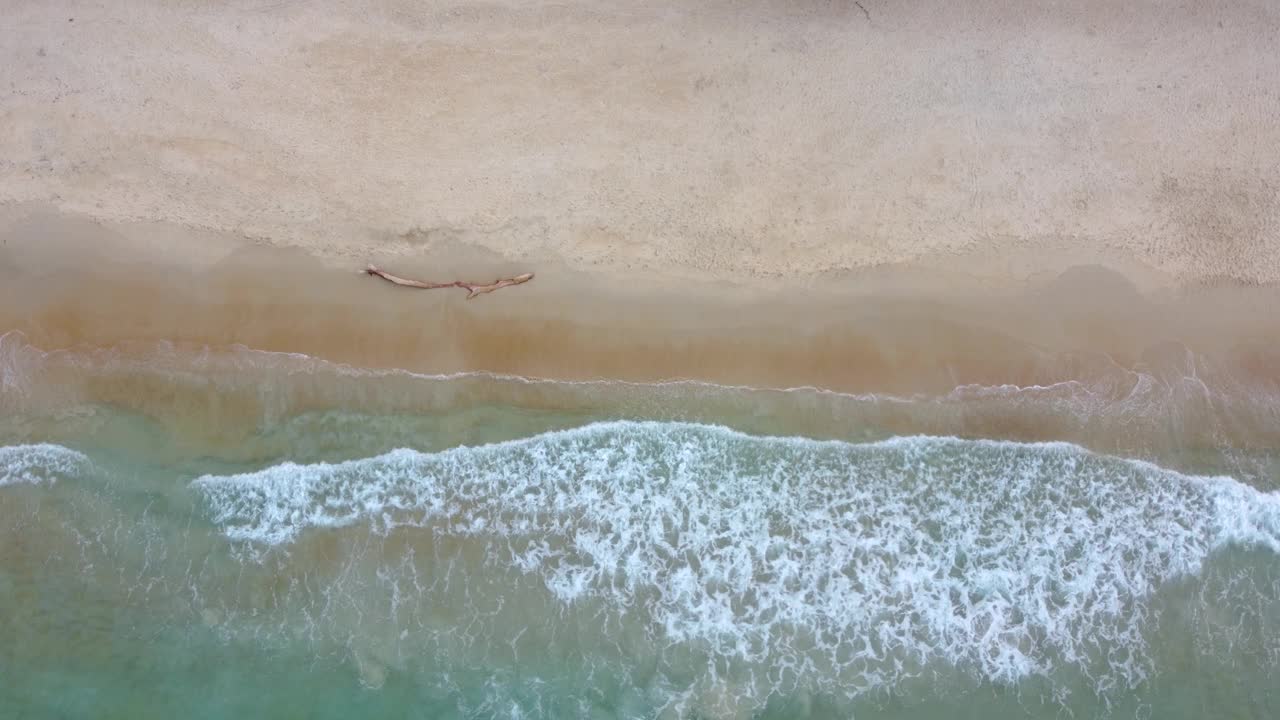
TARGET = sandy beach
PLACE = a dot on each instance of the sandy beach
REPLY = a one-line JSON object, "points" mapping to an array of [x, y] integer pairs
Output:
{"points": [[946, 197], [771, 144]]}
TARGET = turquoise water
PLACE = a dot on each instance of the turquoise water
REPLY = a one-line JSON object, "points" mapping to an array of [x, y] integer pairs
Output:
{"points": [[250, 535]]}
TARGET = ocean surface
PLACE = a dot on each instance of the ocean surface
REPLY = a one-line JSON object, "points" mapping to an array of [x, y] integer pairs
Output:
{"points": [[228, 533]]}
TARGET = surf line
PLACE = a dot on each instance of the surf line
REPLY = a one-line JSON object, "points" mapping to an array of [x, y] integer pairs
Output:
{"points": [[473, 289]]}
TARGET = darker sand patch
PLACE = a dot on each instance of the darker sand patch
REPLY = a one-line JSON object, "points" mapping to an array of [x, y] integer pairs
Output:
{"points": [[67, 282]]}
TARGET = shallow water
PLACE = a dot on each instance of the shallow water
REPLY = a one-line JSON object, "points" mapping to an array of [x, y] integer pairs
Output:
{"points": [[222, 532]]}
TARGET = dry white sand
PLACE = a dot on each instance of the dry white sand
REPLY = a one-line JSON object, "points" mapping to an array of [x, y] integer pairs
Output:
{"points": [[745, 141]]}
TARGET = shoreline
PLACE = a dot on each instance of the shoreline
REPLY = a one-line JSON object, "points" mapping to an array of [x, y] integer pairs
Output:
{"points": [[67, 282]]}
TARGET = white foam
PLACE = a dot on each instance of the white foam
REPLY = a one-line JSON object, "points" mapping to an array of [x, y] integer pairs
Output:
{"points": [[42, 463], [1006, 560]]}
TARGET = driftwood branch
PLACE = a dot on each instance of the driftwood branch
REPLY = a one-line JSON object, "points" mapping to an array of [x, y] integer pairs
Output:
{"points": [[473, 289]]}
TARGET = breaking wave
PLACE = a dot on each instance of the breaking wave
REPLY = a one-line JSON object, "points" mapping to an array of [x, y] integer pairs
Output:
{"points": [[792, 562], [42, 463]]}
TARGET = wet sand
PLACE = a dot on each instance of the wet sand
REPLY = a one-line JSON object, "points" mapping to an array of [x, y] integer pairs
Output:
{"points": [[69, 282]]}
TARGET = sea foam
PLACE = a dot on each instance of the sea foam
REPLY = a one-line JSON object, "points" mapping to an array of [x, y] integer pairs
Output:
{"points": [[41, 463], [861, 564]]}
